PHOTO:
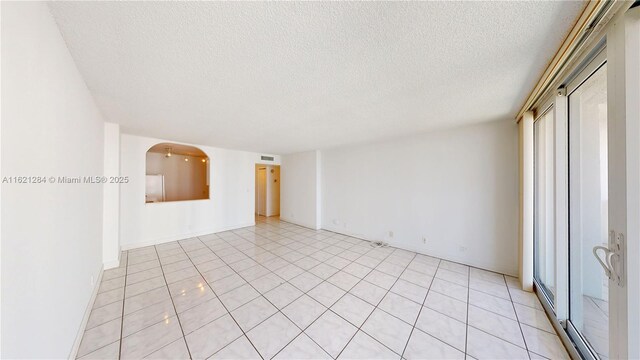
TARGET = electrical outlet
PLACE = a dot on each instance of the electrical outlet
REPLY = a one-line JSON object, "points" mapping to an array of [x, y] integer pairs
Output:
{"points": [[424, 239], [462, 248], [390, 233], [336, 222]]}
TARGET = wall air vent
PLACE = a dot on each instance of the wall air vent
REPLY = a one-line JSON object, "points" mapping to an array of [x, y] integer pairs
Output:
{"points": [[267, 158]]}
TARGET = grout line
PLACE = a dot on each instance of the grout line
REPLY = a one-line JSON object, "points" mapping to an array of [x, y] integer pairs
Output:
{"points": [[524, 340], [174, 309], [303, 293], [286, 236], [420, 312], [376, 307], [380, 261], [287, 282], [124, 298], [223, 305]]}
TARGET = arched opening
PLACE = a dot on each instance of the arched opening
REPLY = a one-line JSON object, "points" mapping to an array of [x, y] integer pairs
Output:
{"points": [[176, 172]]}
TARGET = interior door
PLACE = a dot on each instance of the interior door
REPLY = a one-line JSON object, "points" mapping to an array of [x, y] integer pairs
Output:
{"points": [[589, 283], [261, 191]]}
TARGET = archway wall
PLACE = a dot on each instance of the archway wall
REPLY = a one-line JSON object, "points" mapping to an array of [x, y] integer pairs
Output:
{"points": [[230, 204]]}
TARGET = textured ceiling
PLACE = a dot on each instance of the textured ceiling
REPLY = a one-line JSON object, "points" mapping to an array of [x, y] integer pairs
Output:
{"points": [[282, 77]]}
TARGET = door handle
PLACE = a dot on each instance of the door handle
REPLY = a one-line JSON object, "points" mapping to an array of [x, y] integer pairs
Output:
{"points": [[612, 260], [606, 265]]}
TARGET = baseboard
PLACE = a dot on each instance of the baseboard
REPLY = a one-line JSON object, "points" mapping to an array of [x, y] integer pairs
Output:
{"points": [[171, 238], [294, 222], [85, 318], [111, 264], [439, 256]]}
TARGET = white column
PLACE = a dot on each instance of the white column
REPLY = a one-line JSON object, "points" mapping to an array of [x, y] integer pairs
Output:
{"points": [[111, 198], [526, 201], [623, 91], [632, 95]]}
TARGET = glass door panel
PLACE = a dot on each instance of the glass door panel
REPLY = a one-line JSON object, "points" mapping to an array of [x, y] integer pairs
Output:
{"points": [[544, 206], [588, 207]]}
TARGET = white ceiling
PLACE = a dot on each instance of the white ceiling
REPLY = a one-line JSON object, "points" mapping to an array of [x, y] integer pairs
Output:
{"points": [[282, 77]]}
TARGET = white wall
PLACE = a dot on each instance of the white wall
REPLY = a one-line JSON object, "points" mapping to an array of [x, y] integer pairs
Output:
{"points": [[111, 198], [51, 233], [457, 188], [231, 204], [300, 201]]}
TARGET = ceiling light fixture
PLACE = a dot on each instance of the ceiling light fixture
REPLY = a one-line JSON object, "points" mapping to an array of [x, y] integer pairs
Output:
{"points": [[168, 152]]}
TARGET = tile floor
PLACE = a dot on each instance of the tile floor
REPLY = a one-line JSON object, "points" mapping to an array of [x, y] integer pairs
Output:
{"points": [[282, 291], [596, 324]]}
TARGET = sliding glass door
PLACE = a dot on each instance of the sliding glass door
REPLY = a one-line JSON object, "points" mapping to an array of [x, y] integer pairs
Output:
{"points": [[544, 207], [588, 212], [571, 208]]}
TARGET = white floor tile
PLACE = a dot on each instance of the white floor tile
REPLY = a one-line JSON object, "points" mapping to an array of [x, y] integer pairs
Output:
{"points": [[99, 337], [387, 329], [544, 343], [191, 298], [343, 280], [481, 346], [238, 297], [368, 292], [423, 346], [442, 327], [326, 294], [533, 317], [303, 311], [446, 305], [400, 307], [450, 289], [283, 295], [267, 283], [257, 270], [417, 278], [150, 339], [409, 290], [136, 321], [352, 309], [212, 337], [331, 332], [200, 315], [176, 350], [496, 325], [305, 281], [302, 348], [363, 346], [241, 348], [273, 335], [494, 304], [253, 313], [381, 279], [104, 314]]}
